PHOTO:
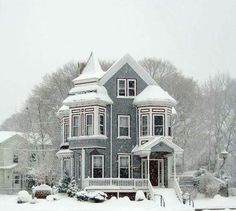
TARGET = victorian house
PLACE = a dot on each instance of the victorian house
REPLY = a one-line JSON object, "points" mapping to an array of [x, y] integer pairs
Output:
{"points": [[116, 127]]}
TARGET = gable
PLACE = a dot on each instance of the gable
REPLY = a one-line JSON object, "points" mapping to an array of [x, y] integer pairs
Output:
{"points": [[117, 66]]}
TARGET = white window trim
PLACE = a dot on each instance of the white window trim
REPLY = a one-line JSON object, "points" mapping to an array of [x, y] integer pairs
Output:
{"points": [[86, 130], [123, 155], [118, 88], [128, 80], [102, 156], [153, 124], [72, 123], [148, 125], [126, 137]]}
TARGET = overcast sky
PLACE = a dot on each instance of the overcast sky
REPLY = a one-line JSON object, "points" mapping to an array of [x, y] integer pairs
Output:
{"points": [[38, 36]]}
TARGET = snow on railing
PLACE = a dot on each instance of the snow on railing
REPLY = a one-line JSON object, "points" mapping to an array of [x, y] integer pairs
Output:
{"points": [[178, 190], [154, 195], [119, 182]]}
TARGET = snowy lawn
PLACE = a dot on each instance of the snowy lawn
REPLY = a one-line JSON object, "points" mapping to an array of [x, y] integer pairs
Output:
{"points": [[8, 202]]}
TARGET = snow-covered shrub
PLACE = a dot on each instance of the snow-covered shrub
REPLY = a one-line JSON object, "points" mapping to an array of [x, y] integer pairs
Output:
{"points": [[52, 198], [72, 188], [97, 196], [208, 185], [64, 183], [23, 197], [139, 196], [42, 191], [81, 196]]}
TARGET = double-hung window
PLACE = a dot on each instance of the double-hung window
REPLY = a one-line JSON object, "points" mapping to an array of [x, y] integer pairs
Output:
{"points": [[101, 124], [97, 166], [89, 124], [75, 125], [126, 87], [124, 166], [124, 126], [169, 125], [158, 125], [144, 125], [66, 132]]}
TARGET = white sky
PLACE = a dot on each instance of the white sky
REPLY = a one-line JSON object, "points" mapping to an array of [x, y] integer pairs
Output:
{"points": [[38, 36]]}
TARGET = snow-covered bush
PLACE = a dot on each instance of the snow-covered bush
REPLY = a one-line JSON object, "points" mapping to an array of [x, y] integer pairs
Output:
{"points": [[96, 196], [208, 185], [23, 197], [42, 191], [64, 183], [72, 188], [52, 198], [139, 196]]}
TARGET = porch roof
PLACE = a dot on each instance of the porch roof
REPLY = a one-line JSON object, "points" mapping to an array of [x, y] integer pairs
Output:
{"points": [[64, 153], [150, 146]]}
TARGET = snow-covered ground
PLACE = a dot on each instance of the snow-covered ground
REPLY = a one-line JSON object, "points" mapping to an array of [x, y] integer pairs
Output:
{"points": [[8, 202]]}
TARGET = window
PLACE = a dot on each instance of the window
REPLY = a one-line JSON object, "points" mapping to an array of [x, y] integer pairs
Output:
{"points": [[17, 179], [15, 158], [126, 88], [75, 125], [144, 125], [97, 166], [123, 126], [158, 125], [33, 157], [131, 87], [169, 125], [101, 124], [89, 124], [66, 132], [121, 87], [124, 166]]}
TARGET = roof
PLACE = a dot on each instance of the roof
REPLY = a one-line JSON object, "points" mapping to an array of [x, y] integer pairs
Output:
{"points": [[154, 95], [91, 72], [64, 153], [9, 167], [135, 66], [5, 135], [63, 111], [146, 148], [87, 95]]}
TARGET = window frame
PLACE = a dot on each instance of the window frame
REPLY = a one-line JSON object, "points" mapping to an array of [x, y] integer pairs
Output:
{"points": [[78, 126], [141, 125], [153, 124], [119, 135], [102, 156], [119, 167], [86, 125], [128, 88], [118, 87], [100, 125]]}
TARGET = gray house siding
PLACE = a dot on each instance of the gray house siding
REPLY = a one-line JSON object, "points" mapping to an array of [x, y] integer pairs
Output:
{"points": [[124, 106]]}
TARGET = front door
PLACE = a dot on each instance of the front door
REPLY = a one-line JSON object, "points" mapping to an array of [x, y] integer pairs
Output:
{"points": [[157, 172]]}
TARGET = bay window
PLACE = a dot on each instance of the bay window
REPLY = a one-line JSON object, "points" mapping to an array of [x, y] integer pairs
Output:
{"points": [[101, 124], [123, 126], [97, 166], [169, 125], [89, 124], [124, 166], [144, 125], [75, 125], [158, 125], [66, 132]]}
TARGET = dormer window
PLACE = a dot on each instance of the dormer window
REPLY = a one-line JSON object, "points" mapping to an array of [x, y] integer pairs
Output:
{"points": [[126, 87]]}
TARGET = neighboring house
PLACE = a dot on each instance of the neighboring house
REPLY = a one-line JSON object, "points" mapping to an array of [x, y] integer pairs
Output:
{"points": [[116, 127], [18, 157]]}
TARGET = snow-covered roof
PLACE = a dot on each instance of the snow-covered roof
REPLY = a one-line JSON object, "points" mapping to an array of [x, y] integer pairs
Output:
{"points": [[154, 95], [64, 153], [87, 95], [92, 71], [146, 148], [63, 111], [127, 59], [9, 167], [5, 135]]}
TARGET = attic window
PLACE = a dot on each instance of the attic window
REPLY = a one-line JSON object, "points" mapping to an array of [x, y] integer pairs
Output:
{"points": [[126, 87]]}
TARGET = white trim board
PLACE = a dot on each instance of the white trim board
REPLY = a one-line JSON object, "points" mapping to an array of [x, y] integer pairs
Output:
{"points": [[135, 66]]}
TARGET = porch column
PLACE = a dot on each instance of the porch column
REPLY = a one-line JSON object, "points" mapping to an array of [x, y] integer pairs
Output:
{"points": [[82, 164], [174, 158], [71, 167], [62, 168], [148, 166]]}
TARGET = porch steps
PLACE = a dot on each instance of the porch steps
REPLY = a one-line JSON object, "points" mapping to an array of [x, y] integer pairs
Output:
{"points": [[170, 197]]}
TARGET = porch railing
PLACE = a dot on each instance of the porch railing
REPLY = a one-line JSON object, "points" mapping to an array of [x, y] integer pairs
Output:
{"points": [[121, 183], [177, 188]]}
